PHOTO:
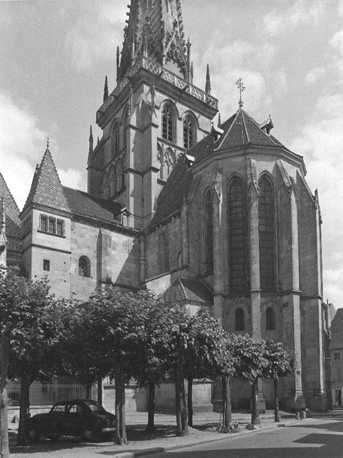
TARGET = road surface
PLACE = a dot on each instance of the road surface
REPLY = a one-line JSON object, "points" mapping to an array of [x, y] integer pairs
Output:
{"points": [[317, 438]]}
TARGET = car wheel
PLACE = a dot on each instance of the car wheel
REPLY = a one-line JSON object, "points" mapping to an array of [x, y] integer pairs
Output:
{"points": [[90, 434], [33, 434]]}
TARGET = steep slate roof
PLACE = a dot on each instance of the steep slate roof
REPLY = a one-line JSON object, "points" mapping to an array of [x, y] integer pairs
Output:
{"points": [[46, 188], [83, 204], [188, 291], [242, 130], [11, 210], [238, 131], [171, 197]]}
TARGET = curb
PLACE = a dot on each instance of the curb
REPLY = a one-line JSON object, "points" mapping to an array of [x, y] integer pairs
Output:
{"points": [[154, 450]]}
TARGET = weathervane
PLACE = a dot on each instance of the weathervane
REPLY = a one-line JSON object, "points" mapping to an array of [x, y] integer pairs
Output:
{"points": [[241, 88]]}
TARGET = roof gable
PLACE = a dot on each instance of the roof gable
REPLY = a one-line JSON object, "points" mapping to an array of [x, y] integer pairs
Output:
{"points": [[11, 209], [46, 188]]}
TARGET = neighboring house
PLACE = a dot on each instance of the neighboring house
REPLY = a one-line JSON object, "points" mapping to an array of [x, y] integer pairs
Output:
{"points": [[211, 217]]}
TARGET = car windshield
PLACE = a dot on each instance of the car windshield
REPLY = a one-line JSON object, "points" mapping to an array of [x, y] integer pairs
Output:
{"points": [[93, 406]]}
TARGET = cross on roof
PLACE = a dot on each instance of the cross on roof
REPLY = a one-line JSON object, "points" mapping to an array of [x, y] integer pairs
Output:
{"points": [[241, 88]]}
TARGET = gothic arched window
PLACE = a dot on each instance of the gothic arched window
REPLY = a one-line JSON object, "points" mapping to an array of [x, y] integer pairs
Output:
{"points": [[237, 237], [84, 267], [239, 320], [270, 319], [124, 126], [266, 212], [208, 226], [168, 122], [189, 131], [163, 252]]}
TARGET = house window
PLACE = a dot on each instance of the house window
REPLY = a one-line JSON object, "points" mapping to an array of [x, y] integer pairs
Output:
{"points": [[168, 123], [60, 227], [43, 223], [51, 225], [336, 356], [239, 320], [270, 319], [188, 132], [84, 267], [46, 265]]}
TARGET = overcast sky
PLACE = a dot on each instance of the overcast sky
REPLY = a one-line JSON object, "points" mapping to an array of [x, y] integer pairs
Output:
{"points": [[54, 56]]}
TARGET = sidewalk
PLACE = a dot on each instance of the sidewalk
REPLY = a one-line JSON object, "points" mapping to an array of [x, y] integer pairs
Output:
{"points": [[163, 439]]}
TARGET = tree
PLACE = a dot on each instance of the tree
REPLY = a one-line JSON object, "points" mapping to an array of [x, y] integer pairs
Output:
{"points": [[19, 300], [251, 364], [278, 365], [207, 354], [113, 321], [31, 353]]}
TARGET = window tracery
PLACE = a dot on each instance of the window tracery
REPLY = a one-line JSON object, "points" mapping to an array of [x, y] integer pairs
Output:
{"points": [[189, 131], [270, 319], [168, 122], [266, 211]]}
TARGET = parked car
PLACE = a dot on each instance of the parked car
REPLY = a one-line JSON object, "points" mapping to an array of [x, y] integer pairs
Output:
{"points": [[84, 418]]}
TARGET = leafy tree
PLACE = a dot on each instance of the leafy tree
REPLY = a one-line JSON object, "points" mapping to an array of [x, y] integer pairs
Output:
{"points": [[20, 304], [31, 352], [278, 365], [251, 364], [111, 325], [207, 354]]}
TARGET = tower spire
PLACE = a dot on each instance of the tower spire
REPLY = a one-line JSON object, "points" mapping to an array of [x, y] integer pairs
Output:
{"points": [[117, 63], [155, 31], [106, 88], [208, 81]]}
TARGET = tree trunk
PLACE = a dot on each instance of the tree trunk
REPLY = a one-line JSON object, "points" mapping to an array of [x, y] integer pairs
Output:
{"points": [[99, 389], [180, 401], [190, 401], [178, 405], [184, 412], [255, 415], [151, 406], [4, 355], [227, 410], [24, 414], [88, 388], [120, 433], [276, 400]]}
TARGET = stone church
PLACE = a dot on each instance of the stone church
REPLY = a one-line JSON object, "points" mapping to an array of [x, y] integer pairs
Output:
{"points": [[209, 214]]}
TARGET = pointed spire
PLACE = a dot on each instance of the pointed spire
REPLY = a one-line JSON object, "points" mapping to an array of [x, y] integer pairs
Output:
{"points": [[208, 80], [118, 62], [91, 140], [189, 59], [3, 216], [47, 143], [106, 89], [160, 25], [46, 188]]}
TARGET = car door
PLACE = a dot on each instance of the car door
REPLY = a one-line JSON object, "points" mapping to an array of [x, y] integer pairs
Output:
{"points": [[75, 421]]}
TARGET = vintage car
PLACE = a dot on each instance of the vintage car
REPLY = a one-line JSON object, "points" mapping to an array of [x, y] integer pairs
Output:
{"points": [[84, 418]]}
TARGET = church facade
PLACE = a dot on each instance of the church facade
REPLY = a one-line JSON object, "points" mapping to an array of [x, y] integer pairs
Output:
{"points": [[214, 215]]}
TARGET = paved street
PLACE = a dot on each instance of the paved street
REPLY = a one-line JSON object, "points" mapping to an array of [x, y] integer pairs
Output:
{"points": [[316, 438]]}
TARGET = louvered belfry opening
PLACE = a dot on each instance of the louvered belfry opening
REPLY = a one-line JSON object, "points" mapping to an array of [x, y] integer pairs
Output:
{"points": [[237, 223], [266, 211]]}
